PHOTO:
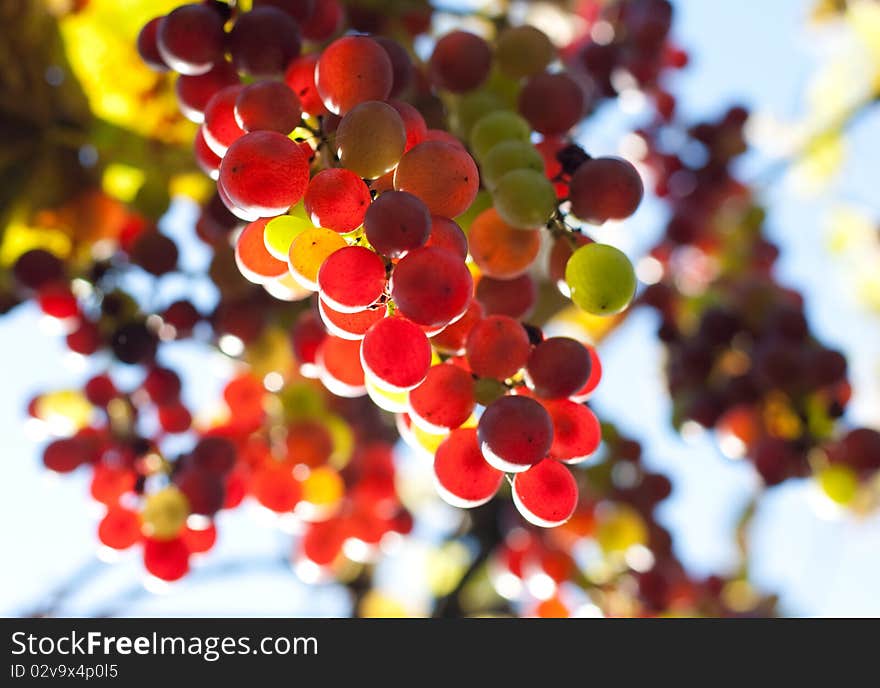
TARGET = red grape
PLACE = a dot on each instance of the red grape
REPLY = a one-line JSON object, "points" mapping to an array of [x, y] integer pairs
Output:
{"points": [[351, 279], [576, 431], [558, 367], [552, 103], [352, 70], [264, 41], [605, 189], [453, 338], [396, 352], [514, 298], [444, 176], [167, 560], [444, 400], [396, 223], [460, 61], [194, 92], [190, 39], [300, 76], [462, 476], [515, 432], [268, 105], [148, 46], [221, 128], [337, 199], [349, 325], [546, 494], [431, 286], [497, 347]]}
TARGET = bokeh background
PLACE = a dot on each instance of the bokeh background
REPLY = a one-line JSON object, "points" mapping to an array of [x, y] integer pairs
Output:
{"points": [[819, 559]]}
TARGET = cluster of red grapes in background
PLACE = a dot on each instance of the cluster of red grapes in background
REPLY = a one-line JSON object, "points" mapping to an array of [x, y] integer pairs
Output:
{"points": [[741, 357], [349, 194]]}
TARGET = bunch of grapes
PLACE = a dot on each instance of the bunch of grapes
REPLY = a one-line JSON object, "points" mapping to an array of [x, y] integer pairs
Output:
{"points": [[740, 355], [422, 279]]}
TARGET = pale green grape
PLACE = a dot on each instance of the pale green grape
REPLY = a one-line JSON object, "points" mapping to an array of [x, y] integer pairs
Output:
{"points": [[601, 279], [492, 129], [508, 156], [525, 198], [471, 107]]}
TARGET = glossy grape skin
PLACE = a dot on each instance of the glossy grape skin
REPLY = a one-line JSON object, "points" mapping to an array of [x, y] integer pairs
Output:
{"points": [[605, 189], [337, 199], [462, 476], [190, 39], [431, 286], [515, 432], [566, 96], [443, 176], [351, 279], [207, 160], [546, 494], [269, 105], [499, 250], [300, 77], [497, 347], [221, 129], [601, 279], [444, 400], [460, 61], [495, 127], [353, 70], [396, 223], [194, 92], [446, 233], [148, 46], [264, 172], [396, 352], [370, 139], [558, 367], [576, 431], [340, 368], [264, 41], [349, 325]]}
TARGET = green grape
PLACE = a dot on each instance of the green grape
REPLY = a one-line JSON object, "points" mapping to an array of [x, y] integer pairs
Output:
{"points": [[482, 202], [471, 108], [496, 127], [508, 156], [601, 279], [525, 198], [280, 232], [505, 88], [523, 50]]}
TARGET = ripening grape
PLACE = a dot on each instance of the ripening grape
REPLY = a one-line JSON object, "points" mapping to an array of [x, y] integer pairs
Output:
{"points": [[605, 189], [353, 70], [558, 367], [446, 233], [370, 139], [515, 297], [396, 223], [207, 160], [443, 176], [401, 64], [462, 476], [499, 250], [552, 103], [444, 400], [270, 105], [525, 198], [265, 173], [497, 347], [280, 232], [190, 39], [351, 279], [221, 129], [148, 45], [253, 260], [576, 431], [413, 123], [300, 77], [339, 366], [460, 61], [508, 156], [515, 432], [264, 41], [349, 325], [431, 286], [523, 50], [396, 352], [337, 199], [595, 377], [601, 279], [194, 92], [546, 494], [164, 513], [453, 338], [495, 127], [308, 252]]}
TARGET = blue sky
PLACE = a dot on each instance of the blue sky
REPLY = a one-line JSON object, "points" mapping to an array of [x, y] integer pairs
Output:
{"points": [[749, 52]]}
